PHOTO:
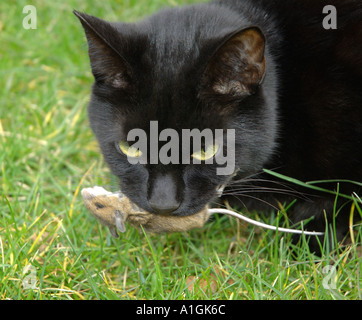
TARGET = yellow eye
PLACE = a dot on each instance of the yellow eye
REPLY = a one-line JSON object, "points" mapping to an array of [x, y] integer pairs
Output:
{"points": [[129, 150], [206, 154]]}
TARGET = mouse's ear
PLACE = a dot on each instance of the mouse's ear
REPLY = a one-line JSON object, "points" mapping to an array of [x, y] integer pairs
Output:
{"points": [[108, 64], [237, 67]]}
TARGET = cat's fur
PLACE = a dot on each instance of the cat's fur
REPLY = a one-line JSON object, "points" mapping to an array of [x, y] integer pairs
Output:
{"points": [[268, 69]]}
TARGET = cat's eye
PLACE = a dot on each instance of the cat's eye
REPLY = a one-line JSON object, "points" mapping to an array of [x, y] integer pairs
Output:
{"points": [[128, 150], [206, 154]]}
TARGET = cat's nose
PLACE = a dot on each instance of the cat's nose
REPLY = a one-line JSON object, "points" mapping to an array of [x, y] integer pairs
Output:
{"points": [[163, 209], [163, 197]]}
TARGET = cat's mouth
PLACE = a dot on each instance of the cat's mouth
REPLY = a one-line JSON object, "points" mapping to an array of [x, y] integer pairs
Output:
{"points": [[183, 212]]}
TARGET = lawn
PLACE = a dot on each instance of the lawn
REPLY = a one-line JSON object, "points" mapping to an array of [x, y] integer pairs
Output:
{"points": [[51, 248]]}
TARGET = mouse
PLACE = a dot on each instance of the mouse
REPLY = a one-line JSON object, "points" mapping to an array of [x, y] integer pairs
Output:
{"points": [[114, 210]]}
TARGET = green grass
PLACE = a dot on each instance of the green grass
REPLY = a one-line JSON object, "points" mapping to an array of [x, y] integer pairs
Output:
{"points": [[47, 153]]}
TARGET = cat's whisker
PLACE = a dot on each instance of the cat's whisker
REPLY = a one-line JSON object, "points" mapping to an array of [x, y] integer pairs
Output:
{"points": [[254, 198], [247, 181], [244, 194], [261, 188], [251, 189]]}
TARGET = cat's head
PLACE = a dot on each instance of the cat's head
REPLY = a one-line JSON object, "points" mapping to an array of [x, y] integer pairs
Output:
{"points": [[179, 70]]}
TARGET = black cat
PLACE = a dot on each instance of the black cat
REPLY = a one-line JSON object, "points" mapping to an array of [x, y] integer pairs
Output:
{"points": [[291, 90]]}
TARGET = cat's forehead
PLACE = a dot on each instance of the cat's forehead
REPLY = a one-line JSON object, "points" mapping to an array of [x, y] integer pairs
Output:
{"points": [[178, 36], [187, 120]]}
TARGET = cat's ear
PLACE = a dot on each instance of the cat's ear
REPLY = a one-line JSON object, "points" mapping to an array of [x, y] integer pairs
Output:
{"points": [[237, 67], [107, 63]]}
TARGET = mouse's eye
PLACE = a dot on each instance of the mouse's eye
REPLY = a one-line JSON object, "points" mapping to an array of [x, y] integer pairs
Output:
{"points": [[206, 154], [99, 205], [125, 148]]}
